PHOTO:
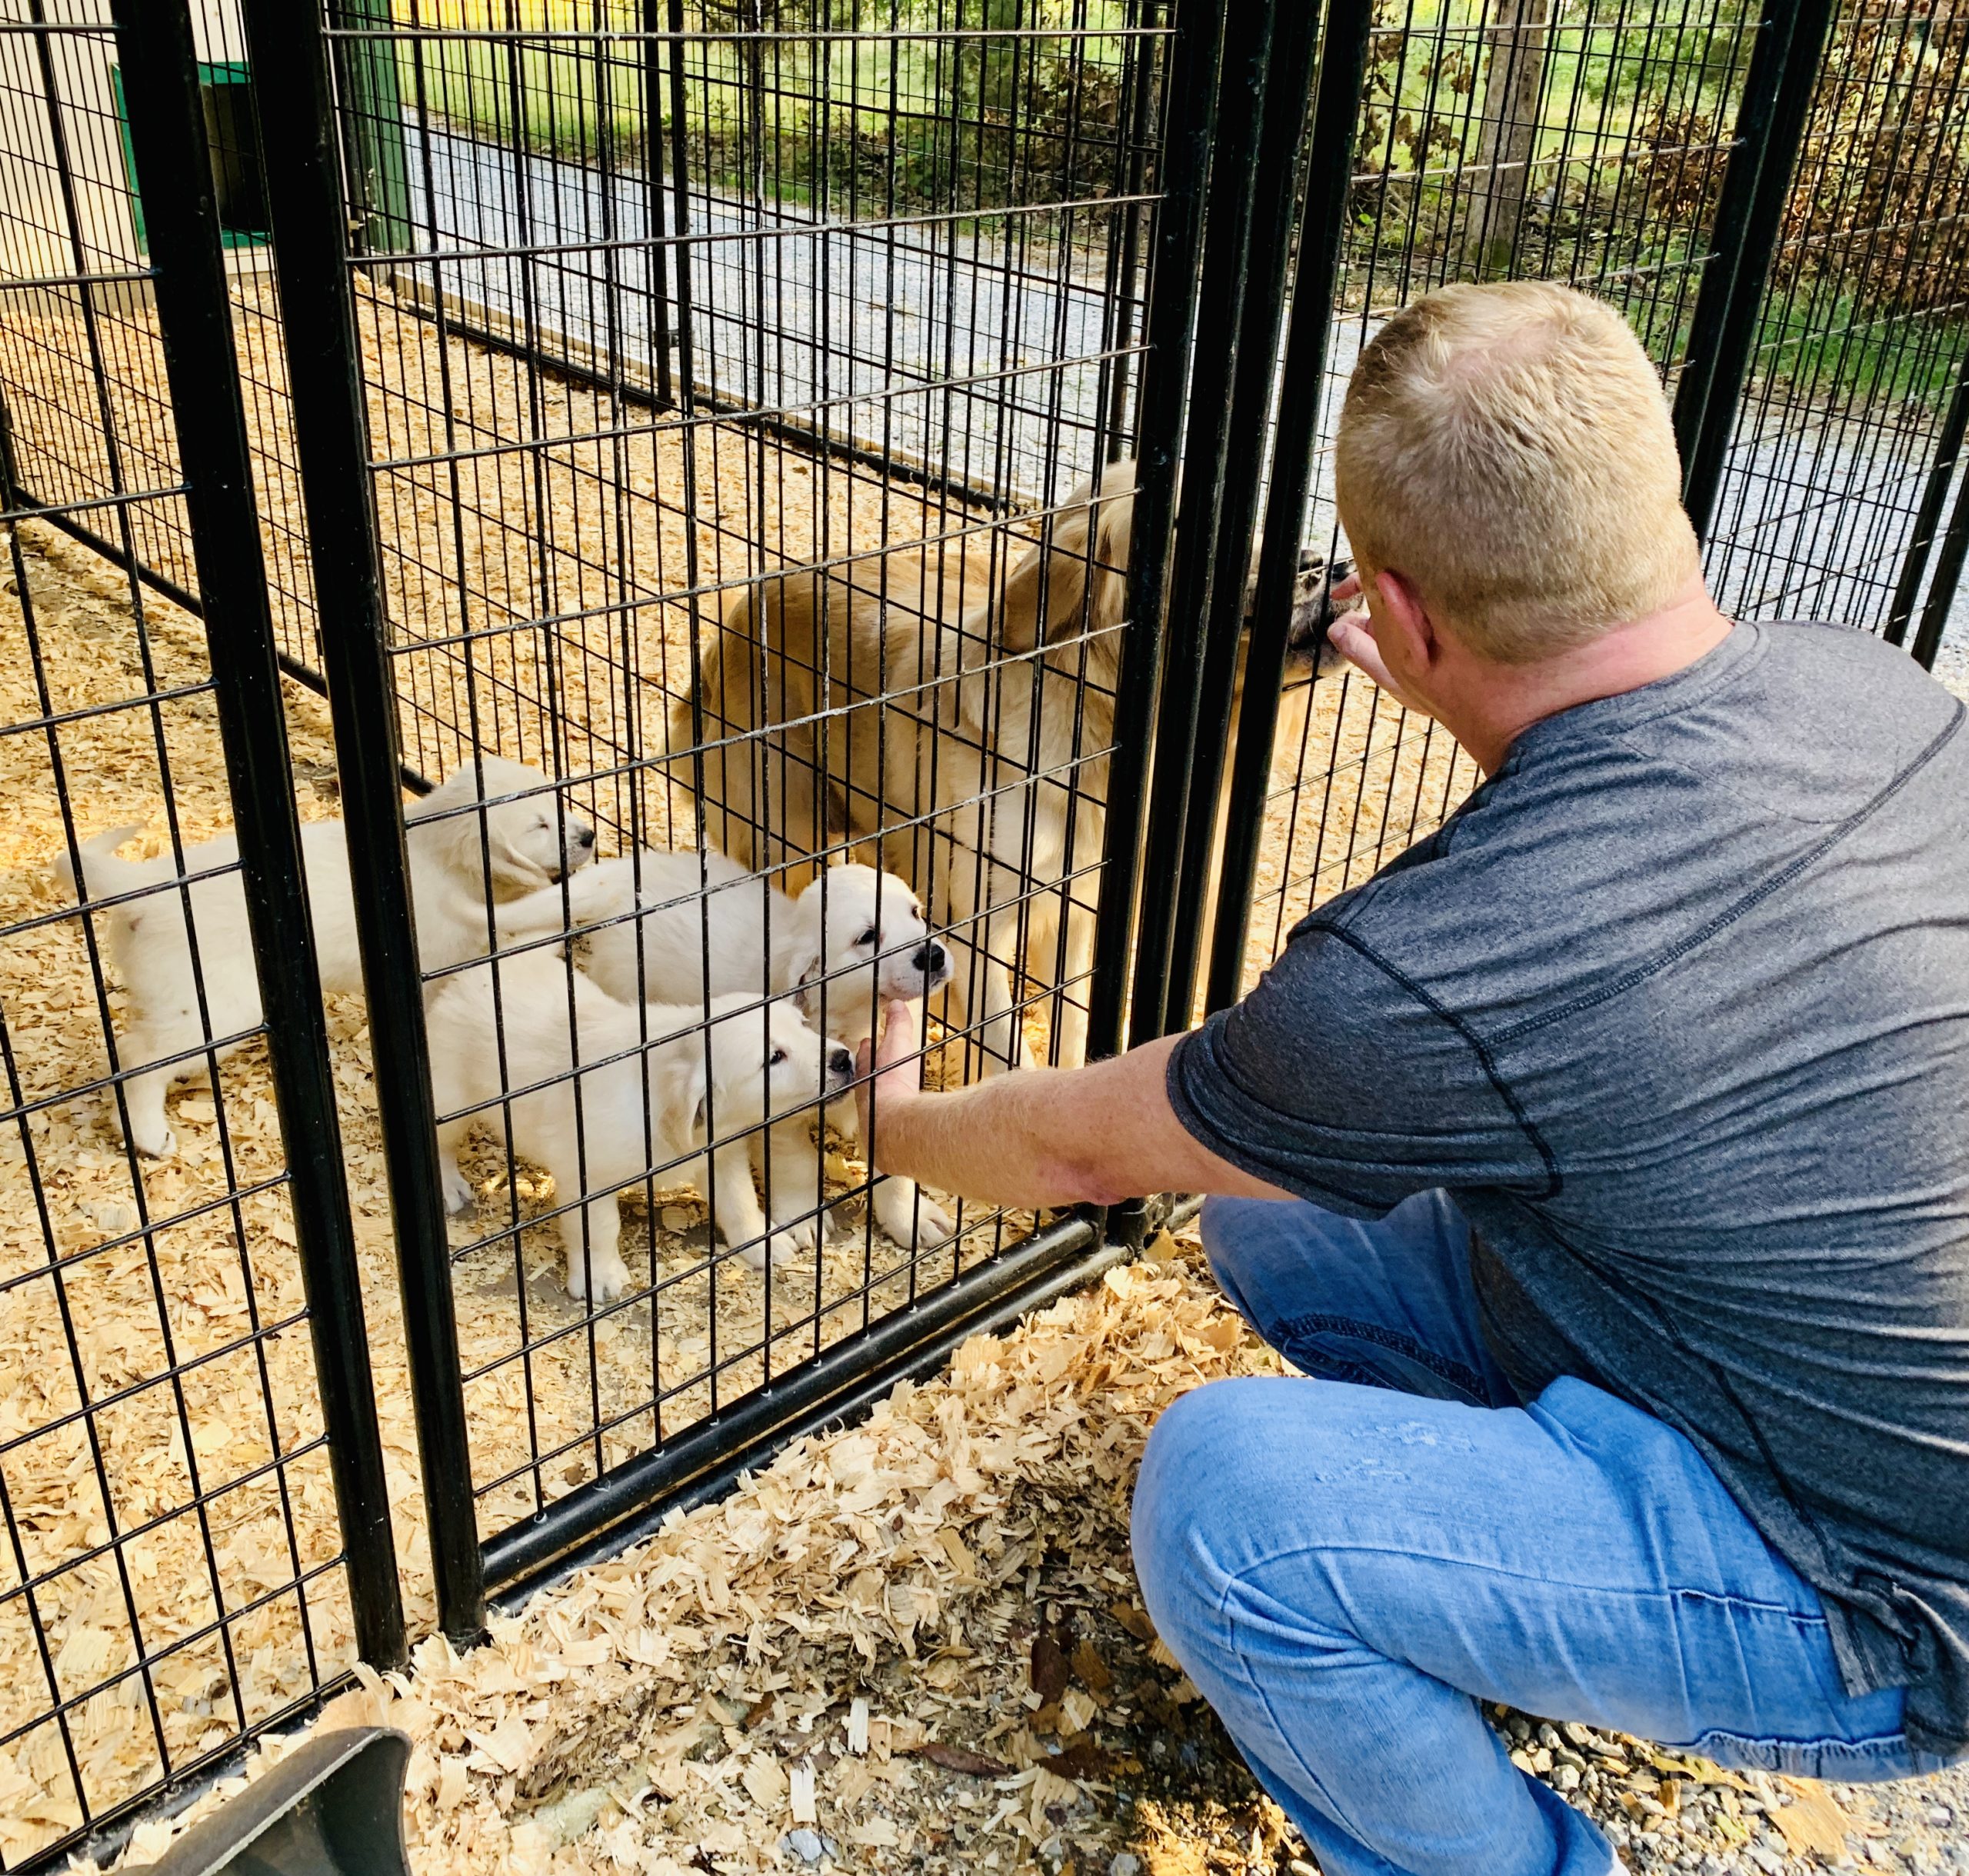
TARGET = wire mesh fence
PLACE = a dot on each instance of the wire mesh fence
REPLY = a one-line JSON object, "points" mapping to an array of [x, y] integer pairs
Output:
{"points": [[670, 313], [174, 1459], [829, 501]]}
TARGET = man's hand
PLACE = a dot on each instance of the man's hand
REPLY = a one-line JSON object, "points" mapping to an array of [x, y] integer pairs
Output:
{"points": [[1353, 637], [888, 1063]]}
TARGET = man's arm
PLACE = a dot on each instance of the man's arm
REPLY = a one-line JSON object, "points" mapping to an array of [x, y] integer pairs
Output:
{"points": [[1039, 1136]]}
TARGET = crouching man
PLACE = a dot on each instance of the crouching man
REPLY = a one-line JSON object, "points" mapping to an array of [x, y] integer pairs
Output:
{"points": [[1604, 1161]]}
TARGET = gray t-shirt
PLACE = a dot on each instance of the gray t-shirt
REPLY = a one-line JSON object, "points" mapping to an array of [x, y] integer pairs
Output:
{"points": [[1676, 1007]]}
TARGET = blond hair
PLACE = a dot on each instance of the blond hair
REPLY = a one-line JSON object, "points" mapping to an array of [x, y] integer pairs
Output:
{"points": [[1507, 448]]}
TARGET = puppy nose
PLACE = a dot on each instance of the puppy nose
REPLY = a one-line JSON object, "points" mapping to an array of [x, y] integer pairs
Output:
{"points": [[841, 1064], [584, 837], [930, 959]]}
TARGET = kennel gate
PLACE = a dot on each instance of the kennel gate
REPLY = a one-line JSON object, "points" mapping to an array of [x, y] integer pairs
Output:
{"points": [[494, 292]]}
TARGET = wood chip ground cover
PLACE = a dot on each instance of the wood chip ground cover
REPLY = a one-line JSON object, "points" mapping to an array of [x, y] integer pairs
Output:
{"points": [[939, 1577]]}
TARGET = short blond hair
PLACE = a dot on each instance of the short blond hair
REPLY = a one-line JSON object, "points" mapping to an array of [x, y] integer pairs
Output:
{"points": [[1506, 447]]}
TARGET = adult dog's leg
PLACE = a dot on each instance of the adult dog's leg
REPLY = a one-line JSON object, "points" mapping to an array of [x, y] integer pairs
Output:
{"points": [[982, 943], [1080, 894]]}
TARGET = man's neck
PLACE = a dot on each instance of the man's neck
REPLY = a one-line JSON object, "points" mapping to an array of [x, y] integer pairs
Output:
{"points": [[1497, 703]]}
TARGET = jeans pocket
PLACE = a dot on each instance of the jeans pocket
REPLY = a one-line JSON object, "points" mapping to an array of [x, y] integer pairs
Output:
{"points": [[1331, 1348]]}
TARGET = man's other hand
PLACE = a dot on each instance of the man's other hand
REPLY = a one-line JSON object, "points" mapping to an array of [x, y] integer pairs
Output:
{"points": [[1352, 636]]}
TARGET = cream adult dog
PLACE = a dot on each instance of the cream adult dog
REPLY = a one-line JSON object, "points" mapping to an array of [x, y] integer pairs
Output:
{"points": [[982, 767], [670, 927], [495, 811], [966, 727], [667, 1080]]}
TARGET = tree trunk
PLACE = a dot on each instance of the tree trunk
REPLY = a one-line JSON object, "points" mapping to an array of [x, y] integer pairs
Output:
{"points": [[1513, 83]]}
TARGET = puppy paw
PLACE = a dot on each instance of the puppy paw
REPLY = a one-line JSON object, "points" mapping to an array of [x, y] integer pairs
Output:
{"points": [[912, 1218], [788, 1242], [153, 1141], [460, 1194], [605, 1277]]}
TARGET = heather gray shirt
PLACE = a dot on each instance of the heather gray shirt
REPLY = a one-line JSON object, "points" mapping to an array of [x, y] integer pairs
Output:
{"points": [[1677, 1008]]}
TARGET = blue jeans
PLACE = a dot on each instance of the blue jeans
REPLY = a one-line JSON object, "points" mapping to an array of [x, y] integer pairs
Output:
{"points": [[1345, 1572]]}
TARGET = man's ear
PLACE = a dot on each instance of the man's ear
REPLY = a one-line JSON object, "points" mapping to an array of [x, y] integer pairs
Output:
{"points": [[1397, 607]]}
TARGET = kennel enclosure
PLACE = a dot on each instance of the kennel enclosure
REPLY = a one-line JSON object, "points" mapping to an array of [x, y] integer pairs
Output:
{"points": [[396, 385]]}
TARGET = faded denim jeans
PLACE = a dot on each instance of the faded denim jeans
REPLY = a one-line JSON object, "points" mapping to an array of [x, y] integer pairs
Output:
{"points": [[1346, 1566]]}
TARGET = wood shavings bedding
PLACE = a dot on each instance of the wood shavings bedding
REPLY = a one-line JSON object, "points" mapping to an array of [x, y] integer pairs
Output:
{"points": [[221, 1286], [841, 1644]]}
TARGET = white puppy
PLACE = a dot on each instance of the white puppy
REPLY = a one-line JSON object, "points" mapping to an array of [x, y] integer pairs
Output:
{"points": [[493, 810], [639, 1110], [680, 925]]}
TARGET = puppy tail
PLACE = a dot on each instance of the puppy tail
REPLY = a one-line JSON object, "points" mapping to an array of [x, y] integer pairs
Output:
{"points": [[99, 863]]}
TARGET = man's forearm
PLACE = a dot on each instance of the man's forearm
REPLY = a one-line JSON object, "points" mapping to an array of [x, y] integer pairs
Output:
{"points": [[1052, 1137], [1010, 1141]]}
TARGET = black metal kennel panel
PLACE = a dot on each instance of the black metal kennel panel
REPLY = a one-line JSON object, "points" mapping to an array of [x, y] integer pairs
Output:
{"points": [[81, 366], [1767, 194], [733, 417], [197, 1535], [1836, 484]]}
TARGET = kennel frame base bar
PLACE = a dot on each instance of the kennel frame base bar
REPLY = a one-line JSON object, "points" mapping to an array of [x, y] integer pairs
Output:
{"points": [[601, 1519]]}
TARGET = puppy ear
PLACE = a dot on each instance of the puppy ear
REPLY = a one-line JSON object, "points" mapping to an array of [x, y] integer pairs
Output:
{"points": [[697, 1098]]}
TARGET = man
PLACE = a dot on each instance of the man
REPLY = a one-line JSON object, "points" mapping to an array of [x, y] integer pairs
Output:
{"points": [[1605, 1159]]}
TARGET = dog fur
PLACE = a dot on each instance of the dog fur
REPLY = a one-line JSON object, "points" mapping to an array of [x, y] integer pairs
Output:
{"points": [[492, 809], [966, 727], [674, 926], [734, 1065]]}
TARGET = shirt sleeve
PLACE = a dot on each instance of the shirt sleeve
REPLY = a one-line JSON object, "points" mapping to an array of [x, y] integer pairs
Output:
{"points": [[1337, 1080]]}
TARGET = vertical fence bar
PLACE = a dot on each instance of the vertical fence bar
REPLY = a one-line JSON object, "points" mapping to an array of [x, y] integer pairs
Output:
{"points": [[173, 165], [1206, 456], [1750, 218], [1288, 86], [1948, 576], [1190, 61], [1921, 537], [1322, 233], [305, 204]]}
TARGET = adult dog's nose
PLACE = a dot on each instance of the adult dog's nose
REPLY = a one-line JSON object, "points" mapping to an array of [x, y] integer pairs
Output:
{"points": [[931, 961], [841, 1064]]}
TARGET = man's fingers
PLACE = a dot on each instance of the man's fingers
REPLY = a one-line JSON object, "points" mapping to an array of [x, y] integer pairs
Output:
{"points": [[1346, 590], [898, 1035], [1352, 640]]}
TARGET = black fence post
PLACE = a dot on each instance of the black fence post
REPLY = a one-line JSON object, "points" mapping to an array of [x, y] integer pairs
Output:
{"points": [[1750, 218], [1234, 159], [1322, 234], [1948, 576], [1921, 537], [173, 164], [1190, 59], [1288, 87], [306, 206]]}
